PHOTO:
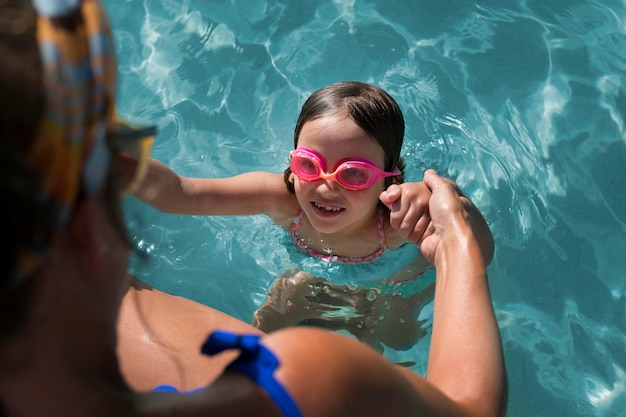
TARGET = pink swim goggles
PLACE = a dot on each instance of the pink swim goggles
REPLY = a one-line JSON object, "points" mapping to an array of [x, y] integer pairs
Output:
{"points": [[353, 174]]}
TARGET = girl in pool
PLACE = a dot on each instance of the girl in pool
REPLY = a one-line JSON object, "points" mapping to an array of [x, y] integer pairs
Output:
{"points": [[343, 200]]}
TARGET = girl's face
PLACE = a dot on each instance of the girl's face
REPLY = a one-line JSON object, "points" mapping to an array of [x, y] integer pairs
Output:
{"points": [[330, 207]]}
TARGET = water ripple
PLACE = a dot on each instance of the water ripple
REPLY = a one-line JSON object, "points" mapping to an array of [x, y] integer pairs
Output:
{"points": [[522, 104]]}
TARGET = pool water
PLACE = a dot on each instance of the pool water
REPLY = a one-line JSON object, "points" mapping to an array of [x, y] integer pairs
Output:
{"points": [[522, 105]]}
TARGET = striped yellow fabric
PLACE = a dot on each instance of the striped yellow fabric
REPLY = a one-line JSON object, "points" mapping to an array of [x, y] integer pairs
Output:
{"points": [[70, 154]]}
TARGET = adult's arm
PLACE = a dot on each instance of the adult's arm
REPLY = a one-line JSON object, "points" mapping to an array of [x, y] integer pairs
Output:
{"points": [[466, 359]]}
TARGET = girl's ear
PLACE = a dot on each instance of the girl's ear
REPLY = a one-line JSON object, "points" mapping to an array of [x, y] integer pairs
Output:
{"points": [[393, 180]]}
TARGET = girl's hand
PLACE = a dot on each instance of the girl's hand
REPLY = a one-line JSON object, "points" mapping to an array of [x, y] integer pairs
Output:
{"points": [[408, 209]]}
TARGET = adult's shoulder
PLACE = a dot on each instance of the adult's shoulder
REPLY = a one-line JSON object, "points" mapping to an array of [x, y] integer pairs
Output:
{"points": [[159, 339]]}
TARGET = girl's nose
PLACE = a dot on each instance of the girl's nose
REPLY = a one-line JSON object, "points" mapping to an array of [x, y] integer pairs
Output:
{"points": [[329, 185]]}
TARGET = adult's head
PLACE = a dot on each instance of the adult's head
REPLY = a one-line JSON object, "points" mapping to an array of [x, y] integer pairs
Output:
{"points": [[58, 128], [370, 107]]}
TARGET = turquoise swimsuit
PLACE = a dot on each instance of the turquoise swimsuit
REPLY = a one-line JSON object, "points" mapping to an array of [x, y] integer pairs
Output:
{"points": [[256, 361]]}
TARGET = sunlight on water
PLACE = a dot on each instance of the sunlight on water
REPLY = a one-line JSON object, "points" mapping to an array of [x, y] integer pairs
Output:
{"points": [[522, 104]]}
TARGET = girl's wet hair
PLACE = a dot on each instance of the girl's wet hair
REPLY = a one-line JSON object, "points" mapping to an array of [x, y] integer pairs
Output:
{"points": [[371, 108]]}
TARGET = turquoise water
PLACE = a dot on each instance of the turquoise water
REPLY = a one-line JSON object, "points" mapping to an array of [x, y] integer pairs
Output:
{"points": [[523, 105]]}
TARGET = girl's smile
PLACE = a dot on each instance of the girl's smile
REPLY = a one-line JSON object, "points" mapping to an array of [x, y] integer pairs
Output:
{"points": [[326, 210]]}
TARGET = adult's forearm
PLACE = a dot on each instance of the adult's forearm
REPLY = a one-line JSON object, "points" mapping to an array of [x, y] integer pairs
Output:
{"points": [[466, 359]]}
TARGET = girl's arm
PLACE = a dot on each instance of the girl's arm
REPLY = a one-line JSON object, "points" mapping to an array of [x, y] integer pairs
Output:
{"points": [[245, 194]]}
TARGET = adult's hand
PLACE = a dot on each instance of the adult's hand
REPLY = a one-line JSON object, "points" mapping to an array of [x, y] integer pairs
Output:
{"points": [[452, 214]]}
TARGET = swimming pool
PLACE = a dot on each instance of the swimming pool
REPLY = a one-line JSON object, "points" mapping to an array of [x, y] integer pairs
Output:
{"points": [[524, 106]]}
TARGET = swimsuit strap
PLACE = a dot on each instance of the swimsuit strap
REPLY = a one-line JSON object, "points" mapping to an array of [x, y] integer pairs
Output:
{"points": [[300, 244], [255, 361]]}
